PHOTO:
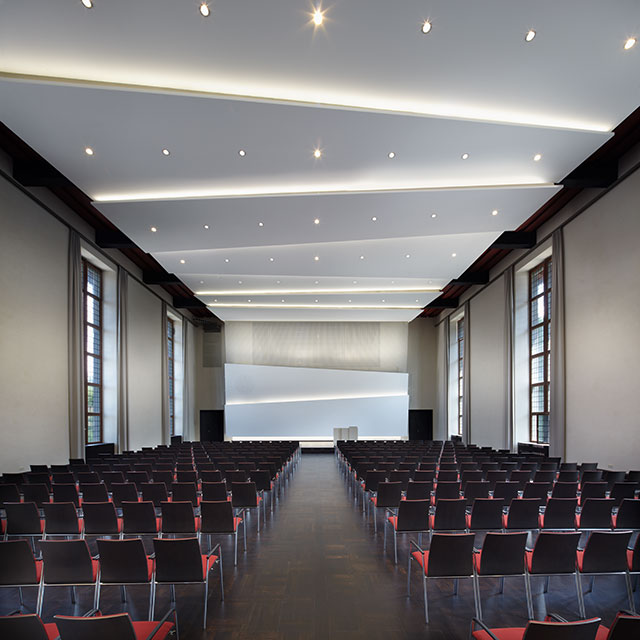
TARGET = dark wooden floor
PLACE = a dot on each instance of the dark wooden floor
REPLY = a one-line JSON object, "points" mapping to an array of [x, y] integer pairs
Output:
{"points": [[317, 571]]}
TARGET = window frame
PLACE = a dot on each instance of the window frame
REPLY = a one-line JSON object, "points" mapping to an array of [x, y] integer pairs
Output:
{"points": [[545, 354], [171, 373], [460, 337], [86, 266]]}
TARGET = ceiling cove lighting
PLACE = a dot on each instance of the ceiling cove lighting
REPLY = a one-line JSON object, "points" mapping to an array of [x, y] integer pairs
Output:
{"points": [[205, 12], [244, 305], [530, 35], [426, 27], [629, 44], [291, 292], [338, 189]]}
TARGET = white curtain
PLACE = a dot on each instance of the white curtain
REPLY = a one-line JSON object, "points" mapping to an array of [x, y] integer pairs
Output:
{"points": [[75, 328], [510, 308], [557, 417], [466, 376], [188, 422], [123, 361], [443, 381], [164, 354]]}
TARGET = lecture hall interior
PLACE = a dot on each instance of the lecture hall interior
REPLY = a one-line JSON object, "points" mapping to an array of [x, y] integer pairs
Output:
{"points": [[320, 319]]}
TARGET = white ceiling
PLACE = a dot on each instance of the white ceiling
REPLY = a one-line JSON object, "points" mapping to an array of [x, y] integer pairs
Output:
{"points": [[131, 78]]}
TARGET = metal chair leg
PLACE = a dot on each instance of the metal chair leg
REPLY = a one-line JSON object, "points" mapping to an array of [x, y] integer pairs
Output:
{"points": [[546, 584], [627, 578], [123, 593], [206, 600], [527, 587], [580, 595], [151, 599], [221, 578], [96, 595], [501, 585], [426, 604], [455, 586], [395, 545], [20, 595], [476, 593], [73, 595]]}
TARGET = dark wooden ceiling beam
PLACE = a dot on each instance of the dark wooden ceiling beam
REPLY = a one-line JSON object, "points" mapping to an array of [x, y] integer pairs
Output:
{"points": [[595, 174], [110, 239]]}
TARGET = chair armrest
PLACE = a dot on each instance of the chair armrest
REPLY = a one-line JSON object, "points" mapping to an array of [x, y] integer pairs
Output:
{"points": [[161, 622], [416, 545], [391, 511], [213, 549], [91, 613], [152, 556], [484, 627], [555, 617]]}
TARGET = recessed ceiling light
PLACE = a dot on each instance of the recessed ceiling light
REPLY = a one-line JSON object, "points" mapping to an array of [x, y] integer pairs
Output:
{"points": [[215, 300], [204, 10], [154, 229], [316, 282], [348, 300], [316, 221], [374, 219], [408, 255], [261, 224], [537, 157], [317, 17], [361, 257], [205, 226], [355, 282], [393, 282], [88, 4], [434, 215], [226, 259], [494, 212], [88, 151], [316, 301], [426, 27], [530, 35], [316, 258], [317, 153], [282, 300], [242, 153], [391, 155], [277, 281], [271, 259], [182, 261], [630, 43], [465, 156], [239, 281], [166, 152], [249, 300], [416, 299], [453, 255], [201, 281]]}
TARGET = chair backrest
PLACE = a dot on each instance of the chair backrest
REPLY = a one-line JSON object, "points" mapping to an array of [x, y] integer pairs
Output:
{"points": [[451, 554], [66, 562], [555, 552], [537, 490], [628, 514], [590, 475], [474, 475], [63, 477], [596, 513], [38, 477], [162, 476], [178, 560], [23, 627], [568, 476], [560, 513], [447, 490], [476, 489], [447, 475], [217, 516], [137, 478], [580, 630], [373, 478], [23, 518], [486, 513], [214, 491], [402, 476], [495, 475], [523, 513], [244, 494], [178, 517], [503, 554], [155, 492], [450, 515], [123, 561], [8, 493], [235, 475], [66, 493], [97, 628], [60, 518], [389, 494], [87, 477], [622, 490], [18, 564], [123, 492], [413, 515], [565, 490], [184, 491], [262, 478], [109, 477], [139, 517], [625, 626], [38, 493], [94, 492], [506, 490], [606, 551], [100, 518], [424, 476], [187, 476], [417, 490], [210, 476], [593, 490]]}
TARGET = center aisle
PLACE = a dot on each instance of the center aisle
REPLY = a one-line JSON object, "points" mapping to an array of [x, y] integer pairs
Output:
{"points": [[315, 572]]}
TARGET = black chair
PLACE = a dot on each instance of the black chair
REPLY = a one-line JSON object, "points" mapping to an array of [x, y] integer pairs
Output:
{"points": [[449, 556], [523, 515], [560, 514], [619, 491], [593, 490], [67, 563], [123, 492], [412, 516], [419, 490], [506, 490], [553, 554], [86, 477], [184, 492], [19, 567], [111, 477], [8, 493], [65, 477], [187, 476], [181, 562], [214, 491], [502, 555], [217, 518], [626, 625], [486, 515], [23, 520], [139, 519], [403, 476], [449, 515], [66, 493], [568, 475], [137, 478], [595, 514], [552, 628], [494, 476], [264, 485], [446, 491], [94, 492], [28, 626], [162, 476], [565, 490], [178, 518], [628, 516], [387, 496], [61, 519], [604, 554], [38, 493], [118, 625], [447, 476], [476, 489], [124, 562], [244, 497], [101, 519], [538, 490], [210, 476], [155, 492]]}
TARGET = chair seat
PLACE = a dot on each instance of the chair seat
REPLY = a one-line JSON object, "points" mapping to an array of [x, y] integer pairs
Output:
{"points": [[52, 631], [143, 629], [422, 559], [394, 521], [207, 563], [630, 559], [236, 522]]}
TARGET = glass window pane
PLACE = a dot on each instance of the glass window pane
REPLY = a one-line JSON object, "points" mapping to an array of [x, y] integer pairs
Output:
{"points": [[93, 370], [93, 340], [93, 310], [93, 429], [94, 280], [537, 311], [537, 370], [537, 399], [537, 280], [93, 399], [543, 428], [537, 340]]}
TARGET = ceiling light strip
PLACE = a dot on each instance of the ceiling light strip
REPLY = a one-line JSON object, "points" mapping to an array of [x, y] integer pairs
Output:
{"points": [[245, 305], [237, 403], [281, 292], [390, 107]]}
